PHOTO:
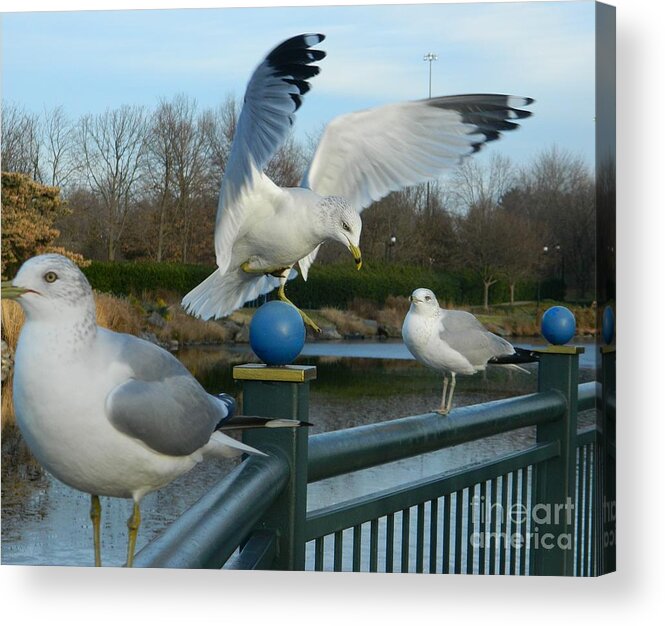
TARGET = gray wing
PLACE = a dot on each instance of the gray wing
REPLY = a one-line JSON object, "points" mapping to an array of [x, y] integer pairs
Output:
{"points": [[274, 93], [162, 405], [363, 156], [463, 332]]}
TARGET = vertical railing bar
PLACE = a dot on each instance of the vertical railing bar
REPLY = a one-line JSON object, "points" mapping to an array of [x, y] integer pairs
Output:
{"points": [[580, 500], [459, 518], [504, 524], [318, 554], [589, 526], [482, 526], [445, 568], [338, 547], [521, 564], [374, 545], [433, 533], [406, 516], [420, 539], [390, 542], [470, 524], [513, 525], [357, 543], [493, 524], [577, 503], [532, 502]]}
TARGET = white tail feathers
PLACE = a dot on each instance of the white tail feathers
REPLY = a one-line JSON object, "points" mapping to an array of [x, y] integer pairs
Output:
{"points": [[222, 446], [221, 294]]}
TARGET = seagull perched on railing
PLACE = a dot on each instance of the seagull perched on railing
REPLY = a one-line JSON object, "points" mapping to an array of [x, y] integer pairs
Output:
{"points": [[453, 342], [263, 230], [107, 413]]}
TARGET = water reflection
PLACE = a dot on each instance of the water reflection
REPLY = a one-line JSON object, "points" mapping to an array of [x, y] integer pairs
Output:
{"points": [[45, 522]]}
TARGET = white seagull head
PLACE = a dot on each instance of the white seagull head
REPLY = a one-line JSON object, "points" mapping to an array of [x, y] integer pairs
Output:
{"points": [[343, 224], [50, 286], [424, 302]]}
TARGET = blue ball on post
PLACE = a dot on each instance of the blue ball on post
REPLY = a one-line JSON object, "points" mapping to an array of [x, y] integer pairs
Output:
{"points": [[608, 324], [277, 333], [558, 325]]}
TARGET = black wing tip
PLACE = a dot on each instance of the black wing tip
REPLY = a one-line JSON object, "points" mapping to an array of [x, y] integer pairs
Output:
{"points": [[521, 355]]}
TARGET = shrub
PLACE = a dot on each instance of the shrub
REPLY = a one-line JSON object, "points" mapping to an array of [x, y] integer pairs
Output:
{"points": [[136, 277]]}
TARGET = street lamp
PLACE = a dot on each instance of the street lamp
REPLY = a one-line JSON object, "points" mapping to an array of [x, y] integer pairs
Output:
{"points": [[390, 244], [429, 57]]}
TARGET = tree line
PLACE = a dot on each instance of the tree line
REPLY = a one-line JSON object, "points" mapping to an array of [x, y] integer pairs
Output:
{"points": [[143, 184]]}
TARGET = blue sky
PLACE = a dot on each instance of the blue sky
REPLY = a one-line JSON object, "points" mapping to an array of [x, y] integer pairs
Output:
{"points": [[90, 61]]}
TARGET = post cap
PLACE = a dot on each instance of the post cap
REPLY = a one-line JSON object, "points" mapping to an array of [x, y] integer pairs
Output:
{"points": [[282, 373], [560, 350]]}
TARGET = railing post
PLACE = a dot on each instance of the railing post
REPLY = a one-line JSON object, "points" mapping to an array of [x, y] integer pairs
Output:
{"points": [[281, 392], [553, 502], [606, 478]]}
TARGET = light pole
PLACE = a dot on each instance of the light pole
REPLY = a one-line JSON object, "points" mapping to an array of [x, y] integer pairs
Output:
{"points": [[429, 57], [390, 244]]}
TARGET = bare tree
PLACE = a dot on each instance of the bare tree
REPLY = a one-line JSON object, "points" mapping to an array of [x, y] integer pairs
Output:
{"points": [[482, 233], [20, 141], [58, 163], [557, 192], [477, 184], [160, 166], [523, 248], [113, 145], [189, 150]]}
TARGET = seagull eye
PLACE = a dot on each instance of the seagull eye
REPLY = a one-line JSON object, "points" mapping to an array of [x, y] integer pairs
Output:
{"points": [[345, 226], [50, 277], [428, 298]]}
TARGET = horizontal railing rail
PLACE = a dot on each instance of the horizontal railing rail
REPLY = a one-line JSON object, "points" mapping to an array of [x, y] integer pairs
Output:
{"points": [[588, 396], [210, 531], [349, 513], [352, 449]]}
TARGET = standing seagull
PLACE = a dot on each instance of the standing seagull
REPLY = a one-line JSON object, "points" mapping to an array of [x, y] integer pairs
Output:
{"points": [[107, 413], [453, 342], [263, 230]]}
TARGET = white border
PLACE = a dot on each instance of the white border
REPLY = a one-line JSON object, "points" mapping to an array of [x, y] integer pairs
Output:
{"points": [[46, 595]]}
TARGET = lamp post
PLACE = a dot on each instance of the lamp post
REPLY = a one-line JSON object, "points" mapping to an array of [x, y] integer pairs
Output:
{"points": [[429, 57], [390, 244], [546, 249]]}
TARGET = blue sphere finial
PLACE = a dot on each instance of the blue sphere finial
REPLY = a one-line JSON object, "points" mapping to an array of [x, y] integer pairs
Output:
{"points": [[608, 324], [558, 325], [277, 333]]}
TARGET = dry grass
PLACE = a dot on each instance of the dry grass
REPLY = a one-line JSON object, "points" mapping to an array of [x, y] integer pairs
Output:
{"points": [[12, 322], [187, 329], [118, 314], [346, 322]]}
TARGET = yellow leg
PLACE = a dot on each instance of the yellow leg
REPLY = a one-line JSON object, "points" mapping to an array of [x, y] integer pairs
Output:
{"points": [[282, 273], [96, 517], [133, 524], [306, 318], [443, 410], [452, 391]]}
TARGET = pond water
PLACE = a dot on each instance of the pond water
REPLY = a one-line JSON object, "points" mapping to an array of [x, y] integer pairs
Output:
{"points": [[47, 523]]}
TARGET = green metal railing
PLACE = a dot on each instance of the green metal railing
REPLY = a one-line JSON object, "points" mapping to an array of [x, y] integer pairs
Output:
{"points": [[489, 518]]}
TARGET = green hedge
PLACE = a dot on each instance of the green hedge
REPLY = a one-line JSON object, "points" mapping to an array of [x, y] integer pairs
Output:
{"points": [[134, 277], [327, 285]]}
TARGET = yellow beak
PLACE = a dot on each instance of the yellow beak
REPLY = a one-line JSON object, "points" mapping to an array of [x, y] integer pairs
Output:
{"points": [[11, 292], [357, 255]]}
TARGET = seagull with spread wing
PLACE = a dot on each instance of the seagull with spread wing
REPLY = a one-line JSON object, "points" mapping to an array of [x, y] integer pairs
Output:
{"points": [[263, 230]]}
